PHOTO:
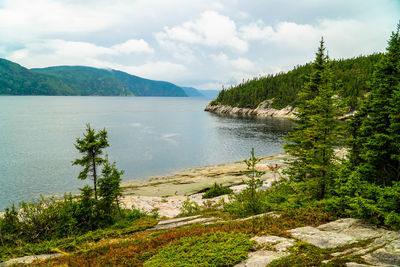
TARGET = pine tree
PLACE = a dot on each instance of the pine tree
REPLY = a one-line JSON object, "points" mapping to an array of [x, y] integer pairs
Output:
{"points": [[312, 142], [91, 146], [109, 186], [378, 138]]}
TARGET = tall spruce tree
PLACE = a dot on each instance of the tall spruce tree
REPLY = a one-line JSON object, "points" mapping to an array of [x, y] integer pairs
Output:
{"points": [[378, 148], [91, 146], [313, 140]]}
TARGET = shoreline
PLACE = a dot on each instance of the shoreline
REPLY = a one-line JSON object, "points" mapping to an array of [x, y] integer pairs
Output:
{"points": [[167, 193], [264, 110]]}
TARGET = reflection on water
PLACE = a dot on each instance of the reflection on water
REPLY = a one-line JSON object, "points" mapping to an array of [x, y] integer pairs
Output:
{"points": [[148, 136]]}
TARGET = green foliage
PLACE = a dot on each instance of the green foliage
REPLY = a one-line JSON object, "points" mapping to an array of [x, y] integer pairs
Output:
{"points": [[305, 254], [74, 243], [368, 186], [377, 140], [217, 190], [213, 249], [350, 80], [313, 140], [91, 146], [189, 208], [109, 189], [250, 201]]}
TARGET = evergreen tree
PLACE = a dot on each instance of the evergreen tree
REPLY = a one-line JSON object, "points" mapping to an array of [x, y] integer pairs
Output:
{"points": [[312, 142], [91, 146], [378, 138], [109, 186]]}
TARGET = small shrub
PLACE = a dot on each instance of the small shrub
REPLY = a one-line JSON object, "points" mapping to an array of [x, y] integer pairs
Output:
{"points": [[250, 201], [217, 190], [302, 254], [189, 208], [212, 249]]}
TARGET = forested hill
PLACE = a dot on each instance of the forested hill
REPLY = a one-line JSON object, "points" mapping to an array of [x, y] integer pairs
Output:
{"points": [[351, 80], [78, 80]]}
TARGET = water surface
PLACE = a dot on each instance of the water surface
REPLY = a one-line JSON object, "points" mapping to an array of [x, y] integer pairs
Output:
{"points": [[148, 136]]}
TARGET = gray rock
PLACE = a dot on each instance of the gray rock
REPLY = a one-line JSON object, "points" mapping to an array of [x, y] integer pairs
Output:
{"points": [[322, 239], [175, 220], [29, 259], [260, 258], [280, 244], [386, 256], [354, 264], [354, 228], [271, 214], [181, 223]]}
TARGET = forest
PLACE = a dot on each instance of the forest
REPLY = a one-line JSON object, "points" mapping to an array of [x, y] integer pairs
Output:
{"points": [[351, 80]]}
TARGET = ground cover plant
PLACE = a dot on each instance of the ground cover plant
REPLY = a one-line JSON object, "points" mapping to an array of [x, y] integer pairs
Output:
{"points": [[211, 249], [217, 190], [136, 249]]}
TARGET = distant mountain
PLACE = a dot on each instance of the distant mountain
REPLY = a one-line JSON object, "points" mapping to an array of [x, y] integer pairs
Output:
{"points": [[210, 93], [192, 92], [144, 87], [78, 80]]}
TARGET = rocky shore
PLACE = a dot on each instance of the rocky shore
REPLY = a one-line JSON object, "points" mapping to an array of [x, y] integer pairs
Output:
{"points": [[167, 193], [264, 110]]}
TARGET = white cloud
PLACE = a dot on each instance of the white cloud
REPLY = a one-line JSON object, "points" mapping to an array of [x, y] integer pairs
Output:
{"points": [[159, 70], [256, 31], [24, 19], [62, 52], [239, 63], [133, 46], [346, 37], [211, 29]]}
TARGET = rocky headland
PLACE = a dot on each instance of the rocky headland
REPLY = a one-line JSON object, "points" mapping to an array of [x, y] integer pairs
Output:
{"points": [[264, 110]]}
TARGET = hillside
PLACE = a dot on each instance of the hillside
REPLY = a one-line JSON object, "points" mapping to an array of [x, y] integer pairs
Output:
{"points": [[78, 80], [17, 80], [192, 92], [351, 81]]}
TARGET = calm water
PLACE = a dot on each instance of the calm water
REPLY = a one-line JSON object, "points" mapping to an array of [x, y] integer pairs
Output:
{"points": [[147, 136]]}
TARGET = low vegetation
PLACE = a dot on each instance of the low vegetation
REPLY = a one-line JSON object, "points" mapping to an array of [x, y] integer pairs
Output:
{"points": [[212, 249], [217, 190]]}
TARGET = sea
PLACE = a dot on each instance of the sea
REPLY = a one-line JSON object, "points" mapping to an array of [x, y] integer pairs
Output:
{"points": [[148, 136]]}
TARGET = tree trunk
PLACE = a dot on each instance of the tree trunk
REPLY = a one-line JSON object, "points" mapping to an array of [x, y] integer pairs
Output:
{"points": [[94, 177]]}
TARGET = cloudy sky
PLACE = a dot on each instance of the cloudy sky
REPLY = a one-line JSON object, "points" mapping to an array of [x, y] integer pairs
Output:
{"points": [[200, 43]]}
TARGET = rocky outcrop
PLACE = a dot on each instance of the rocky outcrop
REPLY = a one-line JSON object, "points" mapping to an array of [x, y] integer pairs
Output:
{"points": [[384, 250], [264, 110]]}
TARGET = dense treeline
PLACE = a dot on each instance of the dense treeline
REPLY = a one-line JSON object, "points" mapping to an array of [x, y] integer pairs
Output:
{"points": [[350, 80], [78, 80]]}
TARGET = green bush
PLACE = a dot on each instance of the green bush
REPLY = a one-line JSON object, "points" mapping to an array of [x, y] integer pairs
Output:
{"points": [[189, 208], [212, 249], [217, 190], [250, 201]]}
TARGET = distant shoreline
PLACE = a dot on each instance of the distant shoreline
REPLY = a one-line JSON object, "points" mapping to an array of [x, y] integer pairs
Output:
{"points": [[264, 110]]}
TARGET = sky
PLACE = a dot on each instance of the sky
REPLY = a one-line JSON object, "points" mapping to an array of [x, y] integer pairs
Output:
{"points": [[205, 44]]}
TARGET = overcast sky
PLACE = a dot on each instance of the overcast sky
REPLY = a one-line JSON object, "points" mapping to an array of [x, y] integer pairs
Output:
{"points": [[199, 43]]}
